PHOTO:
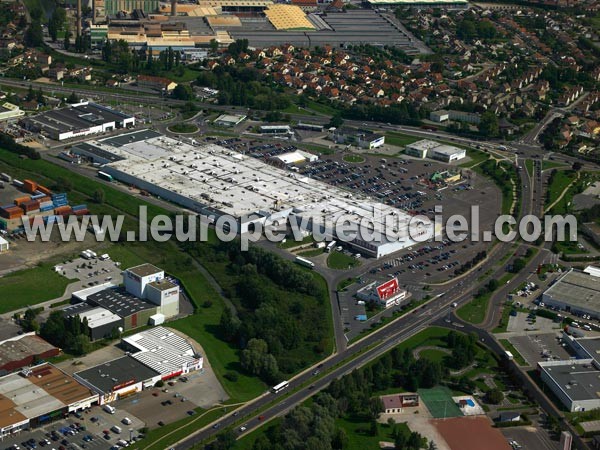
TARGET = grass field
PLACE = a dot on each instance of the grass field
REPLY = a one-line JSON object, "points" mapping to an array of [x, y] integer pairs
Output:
{"points": [[399, 139], [311, 252], [474, 311], [529, 167], [433, 354], [183, 128], [476, 156], [546, 164], [30, 287], [358, 432], [511, 348], [291, 242], [341, 261], [357, 159], [559, 183]]}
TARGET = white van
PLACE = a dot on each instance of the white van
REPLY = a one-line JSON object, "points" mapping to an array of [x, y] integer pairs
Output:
{"points": [[109, 409], [126, 421], [116, 429]]}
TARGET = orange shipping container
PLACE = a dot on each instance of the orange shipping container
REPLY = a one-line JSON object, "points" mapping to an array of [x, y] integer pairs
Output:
{"points": [[30, 186], [44, 189], [20, 200]]}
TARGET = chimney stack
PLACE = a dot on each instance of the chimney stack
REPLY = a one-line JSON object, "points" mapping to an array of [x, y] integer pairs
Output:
{"points": [[173, 7]]}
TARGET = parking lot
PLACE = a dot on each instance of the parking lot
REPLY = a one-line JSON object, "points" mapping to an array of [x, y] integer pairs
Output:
{"points": [[539, 347], [92, 429], [530, 438], [92, 272]]}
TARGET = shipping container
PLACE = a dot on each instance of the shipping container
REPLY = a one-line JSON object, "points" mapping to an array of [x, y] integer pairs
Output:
{"points": [[44, 190], [30, 185], [19, 200], [78, 207], [81, 212]]}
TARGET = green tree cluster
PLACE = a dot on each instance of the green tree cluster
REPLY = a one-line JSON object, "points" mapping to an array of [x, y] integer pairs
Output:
{"points": [[68, 333]]}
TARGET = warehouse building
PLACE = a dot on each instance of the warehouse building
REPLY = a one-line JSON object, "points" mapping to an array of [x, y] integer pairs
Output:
{"points": [[36, 396], [118, 379], [576, 383], [8, 111], [215, 181], [133, 311], [164, 351], [100, 322], [229, 120], [296, 157], [22, 350], [426, 148], [81, 119], [444, 115], [148, 282], [360, 138], [575, 292]]}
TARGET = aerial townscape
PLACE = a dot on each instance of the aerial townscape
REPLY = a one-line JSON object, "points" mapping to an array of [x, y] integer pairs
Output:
{"points": [[300, 224]]}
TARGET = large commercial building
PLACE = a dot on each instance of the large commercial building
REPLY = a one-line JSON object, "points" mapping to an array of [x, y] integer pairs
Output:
{"points": [[360, 138], [117, 379], [426, 148], [81, 119], [148, 282], [576, 383], [22, 350], [100, 322], [216, 182], [39, 395], [575, 292], [153, 355]]}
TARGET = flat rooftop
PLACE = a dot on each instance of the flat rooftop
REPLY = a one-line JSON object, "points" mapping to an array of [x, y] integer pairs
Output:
{"points": [[162, 285], [288, 17], [161, 349], [76, 117], [231, 183], [45, 390], [119, 302], [105, 377], [579, 379], [143, 270], [577, 289], [25, 346], [591, 346]]}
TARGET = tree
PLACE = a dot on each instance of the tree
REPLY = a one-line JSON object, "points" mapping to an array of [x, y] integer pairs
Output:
{"points": [[56, 22], [67, 40], [28, 321], [63, 184], [577, 166], [336, 121], [99, 196], [488, 126], [214, 45], [495, 396], [73, 98], [518, 265], [34, 36], [340, 440], [183, 92]]}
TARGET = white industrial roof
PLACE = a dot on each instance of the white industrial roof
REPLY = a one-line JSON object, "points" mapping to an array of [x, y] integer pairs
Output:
{"points": [[448, 150], [291, 157], [3, 241], [98, 317], [424, 144], [161, 349], [593, 271]]}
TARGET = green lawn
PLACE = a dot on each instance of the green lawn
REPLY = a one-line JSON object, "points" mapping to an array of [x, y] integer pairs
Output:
{"points": [[399, 139], [312, 252], [341, 261], [547, 164], [183, 128], [359, 436], [290, 242], [356, 159], [558, 184], [474, 311], [516, 355], [31, 286], [433, 354], [529, 167], [321, 108], [476, 156]]}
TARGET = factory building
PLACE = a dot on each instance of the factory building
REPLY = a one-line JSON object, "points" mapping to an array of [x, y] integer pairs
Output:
{"points": [[8, 111], [39, 395], [100, 322], [148, 282], [81, 119], [575, 292]]}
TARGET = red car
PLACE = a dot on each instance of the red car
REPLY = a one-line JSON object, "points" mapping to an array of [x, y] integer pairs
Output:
{"points": [[260, 418]]}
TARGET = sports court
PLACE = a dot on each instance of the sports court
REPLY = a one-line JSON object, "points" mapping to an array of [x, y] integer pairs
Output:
{"points": [[439, 402], [471, 433]]}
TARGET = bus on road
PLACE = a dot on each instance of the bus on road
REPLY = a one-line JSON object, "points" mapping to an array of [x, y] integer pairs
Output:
{"points": [[280, 387]]}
